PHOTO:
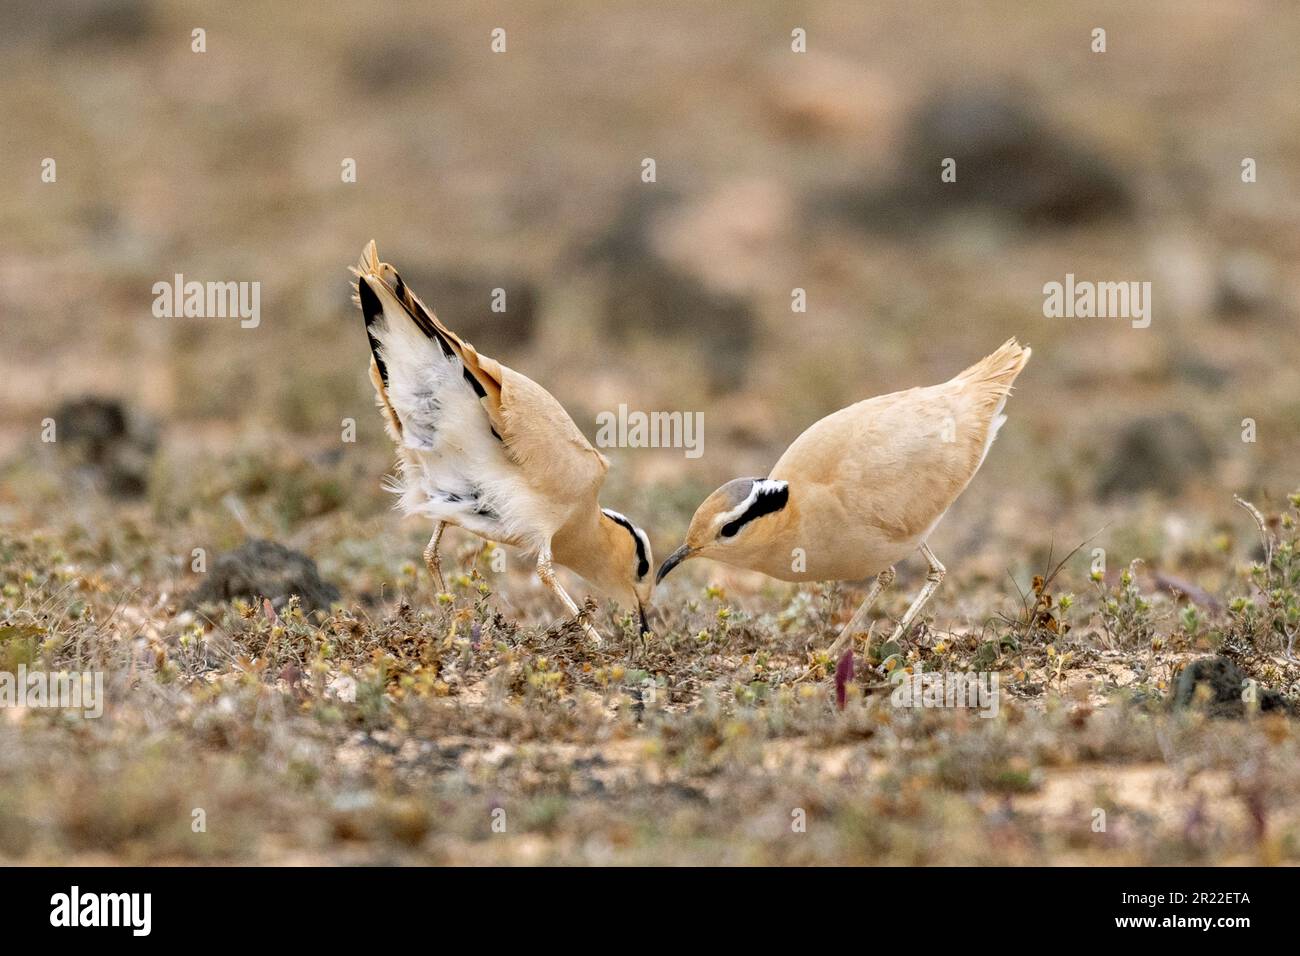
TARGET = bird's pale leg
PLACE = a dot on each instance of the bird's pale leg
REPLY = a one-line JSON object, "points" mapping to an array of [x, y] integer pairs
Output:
{"points": [[883, 580], [431, 559], [932, 582], [546, 574]]}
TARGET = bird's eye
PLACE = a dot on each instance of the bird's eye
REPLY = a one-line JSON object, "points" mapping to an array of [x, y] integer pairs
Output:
{"points": [[767, 497]]}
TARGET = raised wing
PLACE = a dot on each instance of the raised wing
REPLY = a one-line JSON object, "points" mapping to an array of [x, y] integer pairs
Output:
{"points": [[407, 339]]}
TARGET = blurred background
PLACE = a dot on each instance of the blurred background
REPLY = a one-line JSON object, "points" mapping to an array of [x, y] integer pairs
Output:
{"points": [[774, 171]]}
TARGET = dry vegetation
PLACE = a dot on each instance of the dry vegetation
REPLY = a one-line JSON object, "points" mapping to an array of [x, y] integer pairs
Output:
{"points": [[391, 726], [391, 729]]}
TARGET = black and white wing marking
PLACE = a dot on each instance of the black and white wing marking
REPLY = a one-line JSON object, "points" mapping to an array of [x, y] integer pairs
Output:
{"points": [[434, 397]]}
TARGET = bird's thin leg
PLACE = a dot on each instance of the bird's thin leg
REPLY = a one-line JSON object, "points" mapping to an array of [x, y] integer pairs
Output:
{"points": [[932, 581], [431, 559], [546, 574], [883, 580]]}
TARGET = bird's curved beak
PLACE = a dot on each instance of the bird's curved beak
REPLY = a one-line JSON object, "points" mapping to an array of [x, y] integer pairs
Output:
{"points": [[674, 559]]}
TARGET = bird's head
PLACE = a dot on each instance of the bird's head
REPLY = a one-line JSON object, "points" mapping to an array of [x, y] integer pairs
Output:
{"points": [[731, 522], [626, 572]]}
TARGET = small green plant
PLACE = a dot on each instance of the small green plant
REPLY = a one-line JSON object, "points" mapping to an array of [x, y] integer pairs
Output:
{"points": [[1277, 579], [1042, 619], [1125, 614]]}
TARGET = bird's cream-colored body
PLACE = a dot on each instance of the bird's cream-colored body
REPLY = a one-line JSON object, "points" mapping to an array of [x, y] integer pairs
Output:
{"points": [[487, 449], [864, 487]]}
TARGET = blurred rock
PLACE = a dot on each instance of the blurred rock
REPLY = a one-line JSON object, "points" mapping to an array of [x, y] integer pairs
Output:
{"points": [[264, 569], [1155, 452], [388, 63], [629, 236], [1010, 162], [66, 23], [111, 445], [1223, 682], [1191, 366], [1247, 286], [91, 425], [648, 294], [658, 300]]}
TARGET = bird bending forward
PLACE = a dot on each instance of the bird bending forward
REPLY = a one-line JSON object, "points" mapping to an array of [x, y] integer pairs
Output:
{"points": [[482, 447], [861, 489]]}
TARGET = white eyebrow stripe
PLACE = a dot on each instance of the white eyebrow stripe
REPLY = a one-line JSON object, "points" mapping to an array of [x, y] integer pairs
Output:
{"points": [[762, 486]]}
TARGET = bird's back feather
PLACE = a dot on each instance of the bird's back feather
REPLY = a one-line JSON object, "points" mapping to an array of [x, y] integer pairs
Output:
{"points": [[885, 470]]}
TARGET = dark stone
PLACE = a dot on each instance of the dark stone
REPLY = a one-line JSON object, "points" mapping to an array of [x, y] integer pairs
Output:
{"points": [[649, 297], [92, 425], [1224, 681], [264, 569], [1190, 366], [391, 63], [1155, 452], [1011, 162], [111, 445], [68, 23]]}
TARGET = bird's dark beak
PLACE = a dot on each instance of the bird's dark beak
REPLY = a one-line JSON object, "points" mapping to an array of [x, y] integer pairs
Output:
{"points": [[674, 559]]}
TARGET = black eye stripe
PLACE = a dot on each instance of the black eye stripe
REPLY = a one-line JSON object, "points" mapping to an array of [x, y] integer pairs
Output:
{"points": [[642, 560], [766, 503]]}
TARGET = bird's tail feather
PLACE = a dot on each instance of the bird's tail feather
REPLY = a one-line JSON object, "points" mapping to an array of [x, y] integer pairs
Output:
{"points": [[999, 369], [987, 383], [483, 373]]}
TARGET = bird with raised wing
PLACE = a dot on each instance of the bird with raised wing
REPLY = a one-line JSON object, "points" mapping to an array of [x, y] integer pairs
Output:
{"points": [[482, 447], [861, 489]]}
